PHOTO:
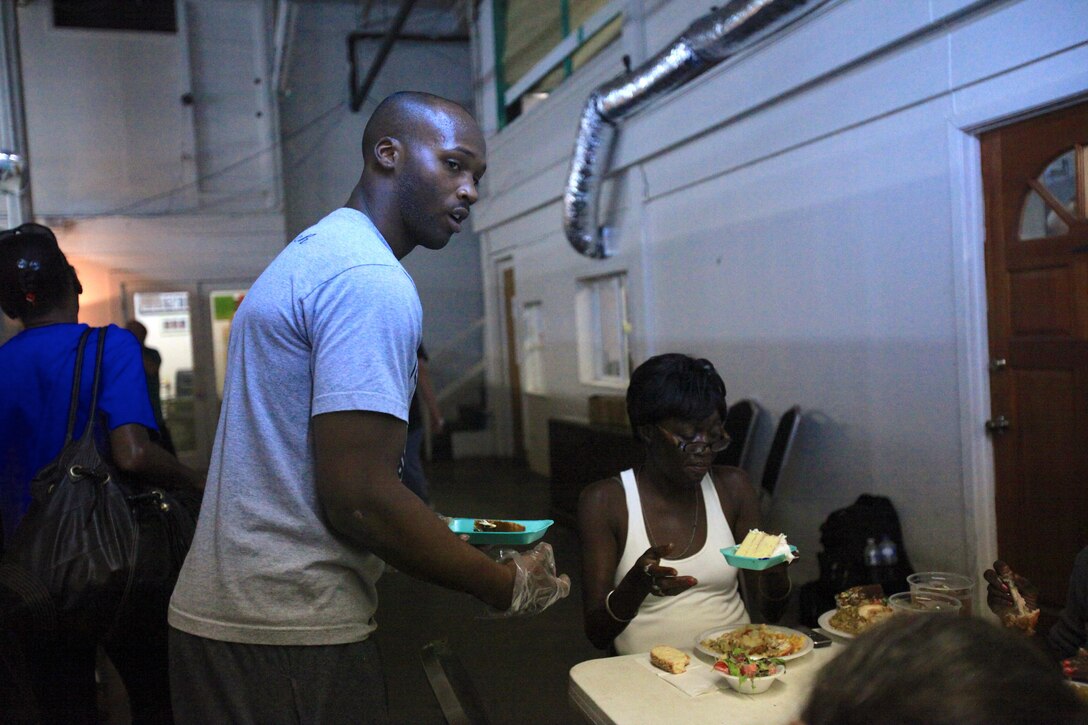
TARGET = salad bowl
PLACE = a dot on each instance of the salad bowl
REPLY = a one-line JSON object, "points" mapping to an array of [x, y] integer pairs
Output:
{"points": [[749, 676]]}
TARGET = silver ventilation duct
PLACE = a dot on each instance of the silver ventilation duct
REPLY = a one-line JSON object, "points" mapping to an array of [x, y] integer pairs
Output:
{"points": [[708, 41]]}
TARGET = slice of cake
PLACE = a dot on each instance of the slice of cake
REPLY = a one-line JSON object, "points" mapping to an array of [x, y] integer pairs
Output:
{"points": [[760, 545]]}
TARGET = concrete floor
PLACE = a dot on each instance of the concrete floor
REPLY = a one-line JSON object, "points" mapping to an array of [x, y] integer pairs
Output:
{"points": [[518, 667]]}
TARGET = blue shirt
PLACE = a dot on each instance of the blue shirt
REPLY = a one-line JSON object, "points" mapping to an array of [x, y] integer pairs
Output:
{"points": [[36, 368]]}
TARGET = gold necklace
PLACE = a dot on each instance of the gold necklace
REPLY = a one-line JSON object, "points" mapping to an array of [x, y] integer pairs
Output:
{"points": [[694, 525]]}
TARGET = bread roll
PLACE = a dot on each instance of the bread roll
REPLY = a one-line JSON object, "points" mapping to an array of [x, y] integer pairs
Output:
{"points": [[669, 659]]}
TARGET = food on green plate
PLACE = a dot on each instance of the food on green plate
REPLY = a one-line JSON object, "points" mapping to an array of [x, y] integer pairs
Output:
{"points": [[859, 608], [495, 525], [760, 545], [739, 664], [755, 640]]}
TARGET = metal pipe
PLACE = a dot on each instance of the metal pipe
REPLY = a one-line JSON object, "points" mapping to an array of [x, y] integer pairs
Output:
{"points": [[359, 95], [13, 136], [708, 41]]}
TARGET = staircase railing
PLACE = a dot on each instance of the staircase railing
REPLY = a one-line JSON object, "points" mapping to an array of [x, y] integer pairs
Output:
{"points": [[453, 367]]}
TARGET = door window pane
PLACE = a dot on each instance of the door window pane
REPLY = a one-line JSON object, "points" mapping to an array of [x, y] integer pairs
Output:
{"points": [[169, 332], [603, 329], [532, 348], [1037, 218], [224, 303]]}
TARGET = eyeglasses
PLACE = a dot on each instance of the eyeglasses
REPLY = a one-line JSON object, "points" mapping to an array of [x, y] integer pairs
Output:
{"points": [[694, 448]]}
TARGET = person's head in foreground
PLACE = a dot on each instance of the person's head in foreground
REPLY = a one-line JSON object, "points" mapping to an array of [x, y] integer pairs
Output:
{"points": [[138, 329], [37, 285], [941, 670], [423, 158], [676, 405]]}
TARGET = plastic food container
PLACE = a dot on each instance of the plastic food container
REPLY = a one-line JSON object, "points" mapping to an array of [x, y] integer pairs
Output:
{"points": [[752, 685], [745, 562], [919, 602], [956, 586], [534, 531]]}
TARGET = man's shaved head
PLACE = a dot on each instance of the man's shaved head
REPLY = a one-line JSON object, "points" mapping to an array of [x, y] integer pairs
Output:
{"points": [[423, 157], [405, 115]]}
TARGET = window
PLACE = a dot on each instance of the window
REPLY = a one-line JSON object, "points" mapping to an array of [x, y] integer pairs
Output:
{"points": [[1051, 205], [603, 330], [149, 15], [532, 348], [539, 43]]}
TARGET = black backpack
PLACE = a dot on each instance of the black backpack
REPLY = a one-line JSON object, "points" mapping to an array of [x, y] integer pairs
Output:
{"points": [[843, 537]]}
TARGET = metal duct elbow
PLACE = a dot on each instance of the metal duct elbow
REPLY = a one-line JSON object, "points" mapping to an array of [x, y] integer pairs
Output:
{"points": [[707, 42]]}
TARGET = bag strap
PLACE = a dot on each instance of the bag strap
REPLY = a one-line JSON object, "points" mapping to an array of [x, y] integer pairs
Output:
{"points": [[77, 376], [97, 377]]}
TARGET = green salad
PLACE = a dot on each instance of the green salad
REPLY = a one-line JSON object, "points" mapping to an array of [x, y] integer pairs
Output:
{"points": [[739, 664]]}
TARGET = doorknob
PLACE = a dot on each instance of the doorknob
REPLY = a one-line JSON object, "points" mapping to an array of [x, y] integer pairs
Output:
{"points": [[998, 364], [1000, 424]]}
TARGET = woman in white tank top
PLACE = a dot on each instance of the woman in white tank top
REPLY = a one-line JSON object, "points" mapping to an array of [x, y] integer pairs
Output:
{"points": [[653, 573]]}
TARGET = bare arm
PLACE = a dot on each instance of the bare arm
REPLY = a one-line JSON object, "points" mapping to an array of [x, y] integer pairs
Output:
{"points": [[135, 453], [771, 587], [603, 532], [357, 456], [426, 394]]}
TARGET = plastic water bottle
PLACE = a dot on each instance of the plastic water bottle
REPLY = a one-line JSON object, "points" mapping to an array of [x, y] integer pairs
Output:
{"points": [[871, 553], [889, 552]]}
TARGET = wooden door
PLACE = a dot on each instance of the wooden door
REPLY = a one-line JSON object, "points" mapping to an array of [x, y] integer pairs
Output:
{"points": [[509, 294], [1037, 281]]}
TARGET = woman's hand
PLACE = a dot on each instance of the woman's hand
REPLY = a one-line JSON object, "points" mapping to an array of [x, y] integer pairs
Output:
{"points": [[998, 595], [1076, 667], [648, 574]]}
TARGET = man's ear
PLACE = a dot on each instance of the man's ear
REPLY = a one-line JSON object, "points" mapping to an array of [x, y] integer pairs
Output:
{"points": [[387, 152]]}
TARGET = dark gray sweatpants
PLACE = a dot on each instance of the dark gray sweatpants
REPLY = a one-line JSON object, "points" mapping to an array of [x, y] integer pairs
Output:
{"points": [[227, 682]]}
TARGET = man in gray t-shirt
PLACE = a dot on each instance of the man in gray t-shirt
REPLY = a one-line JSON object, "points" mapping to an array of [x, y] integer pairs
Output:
{"points": [[276, 601]]}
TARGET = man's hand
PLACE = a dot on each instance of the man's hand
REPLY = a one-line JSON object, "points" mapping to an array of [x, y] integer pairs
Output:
{"points": [[536, 585]]}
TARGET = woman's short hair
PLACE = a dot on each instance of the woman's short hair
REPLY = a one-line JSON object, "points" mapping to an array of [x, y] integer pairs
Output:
{"points": [[674, 385], [941, 670], [35, 276]]}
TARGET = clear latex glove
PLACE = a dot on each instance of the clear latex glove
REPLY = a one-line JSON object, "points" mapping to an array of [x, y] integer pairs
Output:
{"points": [[536, 585]]}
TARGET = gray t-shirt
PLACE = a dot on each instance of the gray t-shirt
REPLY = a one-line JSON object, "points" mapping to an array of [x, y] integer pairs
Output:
{"points": [[332, 324]]}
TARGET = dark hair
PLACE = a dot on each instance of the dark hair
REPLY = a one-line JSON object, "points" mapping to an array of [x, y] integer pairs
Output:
{"points": [[674, 385], [35, 276], [940, 670]]}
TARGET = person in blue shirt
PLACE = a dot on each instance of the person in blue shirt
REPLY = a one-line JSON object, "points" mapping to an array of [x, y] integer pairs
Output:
{"points": [[40, 289]]}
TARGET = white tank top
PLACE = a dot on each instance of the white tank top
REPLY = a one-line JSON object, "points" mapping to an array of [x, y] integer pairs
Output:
{"points": [[715, 601]]}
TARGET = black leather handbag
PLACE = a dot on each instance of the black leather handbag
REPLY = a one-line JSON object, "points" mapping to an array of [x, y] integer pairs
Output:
{"points": [[87, 540]]}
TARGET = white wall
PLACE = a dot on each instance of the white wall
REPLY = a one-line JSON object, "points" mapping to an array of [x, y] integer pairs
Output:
{"points": [[129, 177], [807, 216], [322, 155]]}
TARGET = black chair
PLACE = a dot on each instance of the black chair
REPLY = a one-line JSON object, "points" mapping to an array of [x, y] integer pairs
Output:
{"points": [[452, 687], [780, 449], [740, 423]]}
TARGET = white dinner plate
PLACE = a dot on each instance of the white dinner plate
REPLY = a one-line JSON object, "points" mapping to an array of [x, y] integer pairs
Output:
{"points": [[719, 631], [825, 624]]}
